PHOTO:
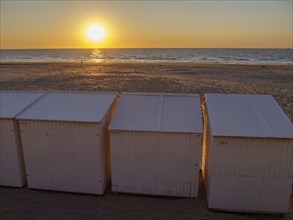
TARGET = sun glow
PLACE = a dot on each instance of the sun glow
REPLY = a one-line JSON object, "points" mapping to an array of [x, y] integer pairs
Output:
{"points": [[96, 33]]}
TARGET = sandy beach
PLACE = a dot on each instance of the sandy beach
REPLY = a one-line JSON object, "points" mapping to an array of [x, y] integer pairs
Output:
{"points": [[152, 77], [136, 77]]}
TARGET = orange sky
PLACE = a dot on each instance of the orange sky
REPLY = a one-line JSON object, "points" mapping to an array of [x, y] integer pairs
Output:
{"points": [[147, 24]]}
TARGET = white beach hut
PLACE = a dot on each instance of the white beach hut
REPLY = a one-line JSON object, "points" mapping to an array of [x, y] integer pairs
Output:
{"points": [[66, 142], [247, 153], [155, 144], [12, 170]]}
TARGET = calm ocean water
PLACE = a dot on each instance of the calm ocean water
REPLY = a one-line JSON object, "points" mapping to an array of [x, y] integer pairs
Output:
{"points": [[209, 56]]}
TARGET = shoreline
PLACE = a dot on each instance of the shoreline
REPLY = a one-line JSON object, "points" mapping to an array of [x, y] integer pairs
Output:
{"points": [[146, 63]]}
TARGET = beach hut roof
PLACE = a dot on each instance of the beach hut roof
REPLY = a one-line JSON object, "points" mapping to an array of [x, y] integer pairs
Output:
{"points": [[158, 112], [74, 107], [13, 102], [247, 116]]}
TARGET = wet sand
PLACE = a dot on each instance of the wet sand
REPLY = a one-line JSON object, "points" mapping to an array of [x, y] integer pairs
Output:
{"points": [[127, 77]]}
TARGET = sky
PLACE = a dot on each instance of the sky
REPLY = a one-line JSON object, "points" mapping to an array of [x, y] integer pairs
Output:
{"points": [[147, 24]]}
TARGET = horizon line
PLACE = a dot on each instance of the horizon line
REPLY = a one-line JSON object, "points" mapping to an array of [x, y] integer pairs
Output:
{"points": [[103, 48]]}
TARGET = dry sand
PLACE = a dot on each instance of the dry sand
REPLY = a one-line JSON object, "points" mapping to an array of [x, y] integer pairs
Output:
{"points": [[128, 77], [159, 77]]}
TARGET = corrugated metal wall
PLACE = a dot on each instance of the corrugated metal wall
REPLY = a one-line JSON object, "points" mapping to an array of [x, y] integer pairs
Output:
{"points": [[207, 141], [62, 156], [155, 163], [253, 194], [12, 170], [105, 156], [247, 174], [254, 157], [244, 156]]}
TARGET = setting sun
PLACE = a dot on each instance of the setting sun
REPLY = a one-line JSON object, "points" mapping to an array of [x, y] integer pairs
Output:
{"points": [[96, 33]]}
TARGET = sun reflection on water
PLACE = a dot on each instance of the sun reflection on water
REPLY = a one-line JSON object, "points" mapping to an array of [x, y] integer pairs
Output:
{"points": [[97, 56]]}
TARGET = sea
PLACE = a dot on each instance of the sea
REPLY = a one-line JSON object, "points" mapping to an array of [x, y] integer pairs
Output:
{"points": [[192, 55]]}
